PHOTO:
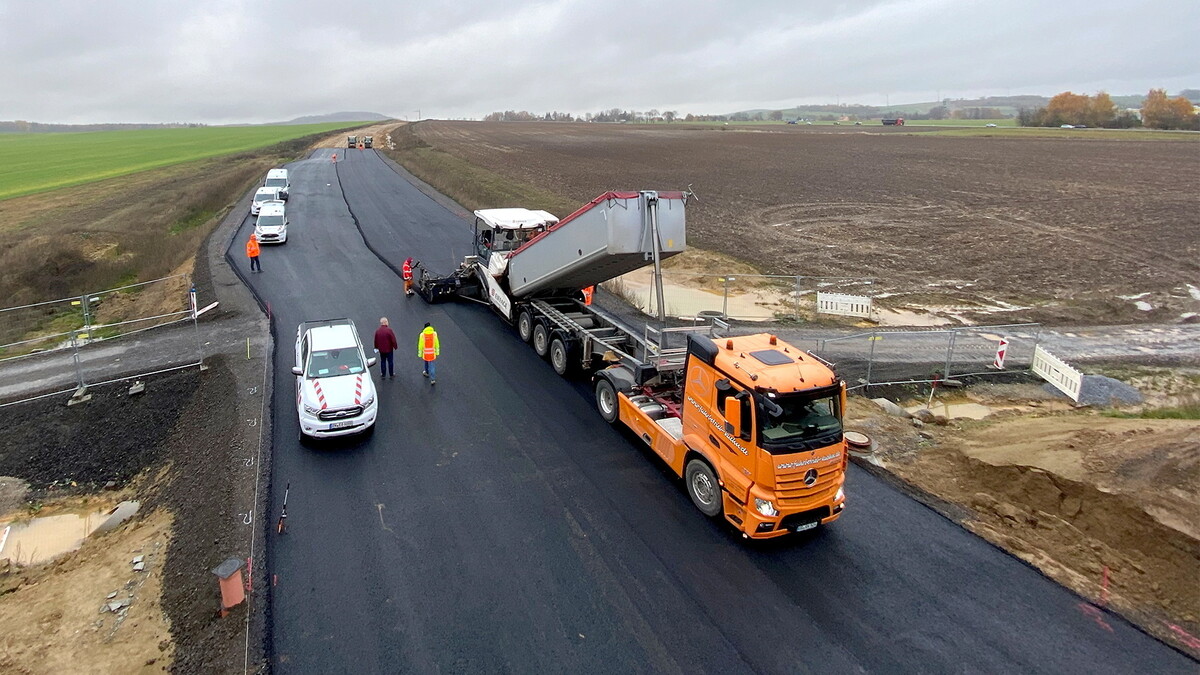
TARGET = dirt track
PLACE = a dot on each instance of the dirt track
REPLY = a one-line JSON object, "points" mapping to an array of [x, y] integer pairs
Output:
{"points": [[1057, 227]]}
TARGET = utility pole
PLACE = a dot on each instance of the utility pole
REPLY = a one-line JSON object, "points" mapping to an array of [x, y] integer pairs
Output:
{"points": [[418, 115]]}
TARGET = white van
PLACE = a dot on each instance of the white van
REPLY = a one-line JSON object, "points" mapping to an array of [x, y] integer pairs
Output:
{"points": [[262, 196], [271, 226], [278, 178]]}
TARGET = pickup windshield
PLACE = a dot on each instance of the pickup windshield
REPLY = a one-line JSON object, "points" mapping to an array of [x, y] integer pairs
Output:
{"points": [[270, 221], [277, 182], [334, 362], [805, 422]]}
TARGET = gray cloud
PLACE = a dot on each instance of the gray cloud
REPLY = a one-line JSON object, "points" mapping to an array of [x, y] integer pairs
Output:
{"points": [[240, 61]]}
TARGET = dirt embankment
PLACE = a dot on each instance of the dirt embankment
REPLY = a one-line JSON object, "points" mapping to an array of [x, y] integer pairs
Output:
{"points": [[177, 449], [1108, 507]]}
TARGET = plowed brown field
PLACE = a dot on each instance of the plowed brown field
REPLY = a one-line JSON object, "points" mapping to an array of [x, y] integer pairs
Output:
{"points": [[1001, 228]]}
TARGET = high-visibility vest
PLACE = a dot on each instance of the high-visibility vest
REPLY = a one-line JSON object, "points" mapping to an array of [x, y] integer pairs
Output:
{"points": [[252, 249], [406, 271], [429, 345]]}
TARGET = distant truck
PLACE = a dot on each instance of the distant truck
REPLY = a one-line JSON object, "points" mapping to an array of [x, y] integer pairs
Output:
{"points": [[893, 122], [352, 141], [752, 424], [367, 141]]}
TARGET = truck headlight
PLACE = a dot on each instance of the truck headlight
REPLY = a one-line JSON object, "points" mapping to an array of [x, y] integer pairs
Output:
{"points": [[765, 507], [840, 494], [311, 410], [367, 403]]}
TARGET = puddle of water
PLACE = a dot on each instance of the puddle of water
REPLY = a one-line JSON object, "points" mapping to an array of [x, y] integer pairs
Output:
{"points": [[38, 540], [953, 411]]}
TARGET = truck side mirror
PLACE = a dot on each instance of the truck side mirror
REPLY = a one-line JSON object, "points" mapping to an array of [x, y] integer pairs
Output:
{"points": [[372, 361], [297, 370], [733, 416]]}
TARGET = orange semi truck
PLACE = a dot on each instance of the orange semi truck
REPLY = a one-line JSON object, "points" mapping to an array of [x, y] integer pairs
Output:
{"points": [[752, 424]]}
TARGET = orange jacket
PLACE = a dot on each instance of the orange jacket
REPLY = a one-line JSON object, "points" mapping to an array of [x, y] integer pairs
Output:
{"points": [[252, 248]]}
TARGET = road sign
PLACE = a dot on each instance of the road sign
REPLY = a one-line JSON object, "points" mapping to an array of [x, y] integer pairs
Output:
{"points": [[1001, 352], [844, 305]]}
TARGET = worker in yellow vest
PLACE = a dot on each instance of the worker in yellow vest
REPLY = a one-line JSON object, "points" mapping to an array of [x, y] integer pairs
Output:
{"points": [[428, 348]]}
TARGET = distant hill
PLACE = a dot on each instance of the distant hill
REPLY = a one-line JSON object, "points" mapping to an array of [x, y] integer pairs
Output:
{"points": [[338, 117], [1009, 105], [23, 127]]}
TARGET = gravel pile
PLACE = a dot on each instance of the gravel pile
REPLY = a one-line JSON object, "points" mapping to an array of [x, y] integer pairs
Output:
{"points": [[1099, 390]]}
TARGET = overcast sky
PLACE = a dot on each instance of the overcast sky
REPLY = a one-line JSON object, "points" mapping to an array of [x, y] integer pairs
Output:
{"points": [[220, 61]]}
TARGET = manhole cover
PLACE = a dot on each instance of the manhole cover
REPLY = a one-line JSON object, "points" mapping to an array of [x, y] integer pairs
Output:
{"points": [[857, 439]]}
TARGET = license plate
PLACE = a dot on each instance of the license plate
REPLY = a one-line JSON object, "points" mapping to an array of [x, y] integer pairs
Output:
{"points": [[340, 425], [804, 526]]}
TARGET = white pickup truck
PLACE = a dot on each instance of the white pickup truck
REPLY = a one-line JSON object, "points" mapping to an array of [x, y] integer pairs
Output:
{"points": [[335, 394]]}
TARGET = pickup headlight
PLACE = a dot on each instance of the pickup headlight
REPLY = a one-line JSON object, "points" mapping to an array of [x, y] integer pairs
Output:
{"points": [[367, 403], [765, 507], [311, 410]]}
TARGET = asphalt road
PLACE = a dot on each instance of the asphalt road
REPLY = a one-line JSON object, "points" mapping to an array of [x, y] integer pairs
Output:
{"points": [[494, 523]]}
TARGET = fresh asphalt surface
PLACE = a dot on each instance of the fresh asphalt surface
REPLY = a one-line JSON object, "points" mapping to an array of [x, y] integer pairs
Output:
{"points": [[494, 522]]}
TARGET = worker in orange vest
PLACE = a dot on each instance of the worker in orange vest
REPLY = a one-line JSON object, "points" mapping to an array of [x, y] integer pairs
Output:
{"points": [[252, 254], [428, 348], [406, 273]]}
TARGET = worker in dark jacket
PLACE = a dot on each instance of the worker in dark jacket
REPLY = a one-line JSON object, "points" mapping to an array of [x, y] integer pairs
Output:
{"points": [[385, 343]]}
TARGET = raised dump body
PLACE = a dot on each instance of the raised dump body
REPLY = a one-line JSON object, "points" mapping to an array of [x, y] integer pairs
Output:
{"points": [[609, 236]]}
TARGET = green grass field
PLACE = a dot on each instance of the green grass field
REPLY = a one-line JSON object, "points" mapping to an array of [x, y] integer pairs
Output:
{"points": [[32, 163]]}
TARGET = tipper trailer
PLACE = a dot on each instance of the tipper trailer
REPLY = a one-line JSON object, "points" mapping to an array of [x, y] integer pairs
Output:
{"points": [[752, 424]]}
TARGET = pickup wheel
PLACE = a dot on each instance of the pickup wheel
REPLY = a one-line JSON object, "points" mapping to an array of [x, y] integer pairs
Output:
{"points": [[525, 325], [560, 356], [606, 401], [703, 488], [541, 339]]}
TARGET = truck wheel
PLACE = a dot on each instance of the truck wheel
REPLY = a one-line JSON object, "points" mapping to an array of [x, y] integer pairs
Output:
{"points": [[606, 401], [560, 356], [541, 339], [703, 488], [525, 325]]}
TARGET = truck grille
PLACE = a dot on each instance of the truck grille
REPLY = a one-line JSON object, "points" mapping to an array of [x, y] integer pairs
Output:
{"points": [[340, 413], [791, 488]]}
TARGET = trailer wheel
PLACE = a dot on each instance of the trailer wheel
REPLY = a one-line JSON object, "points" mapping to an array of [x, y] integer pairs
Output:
{"points": [[606, 401], [525, 325], [560, 356], [541, 339], [703, 488]]}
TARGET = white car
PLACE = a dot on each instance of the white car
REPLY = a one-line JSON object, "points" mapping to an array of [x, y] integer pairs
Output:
{"points": [[990, 124], [271, 225], [262, 196], [335, 394]]}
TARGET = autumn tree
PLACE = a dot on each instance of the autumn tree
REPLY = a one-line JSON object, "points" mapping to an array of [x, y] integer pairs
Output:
{"points": [[1101, 110], [775, 116], [1160, 112]]}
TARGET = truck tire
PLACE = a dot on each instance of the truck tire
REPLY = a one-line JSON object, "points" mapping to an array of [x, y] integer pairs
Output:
{"points": [[541, 339], [703, 488], [560, 356], [525, 325], [606, 401]]}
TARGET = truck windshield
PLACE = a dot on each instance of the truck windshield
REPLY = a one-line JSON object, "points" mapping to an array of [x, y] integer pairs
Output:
{"points": [[805, 422], [276, 182], [334, 362]]}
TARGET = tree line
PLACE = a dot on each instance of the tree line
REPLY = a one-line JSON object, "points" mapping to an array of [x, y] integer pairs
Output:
{"points": [[1158, 111]]}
